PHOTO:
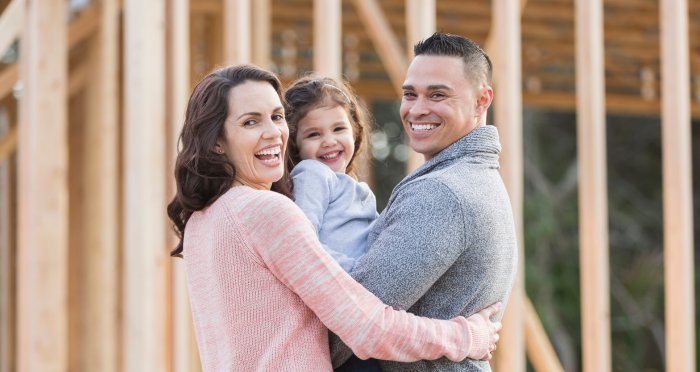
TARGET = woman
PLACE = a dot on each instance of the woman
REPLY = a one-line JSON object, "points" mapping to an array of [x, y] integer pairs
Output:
{"points": [[261, 286]]}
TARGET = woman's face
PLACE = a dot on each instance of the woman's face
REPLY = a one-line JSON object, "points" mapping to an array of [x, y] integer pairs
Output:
{"points": [[255, 134]]}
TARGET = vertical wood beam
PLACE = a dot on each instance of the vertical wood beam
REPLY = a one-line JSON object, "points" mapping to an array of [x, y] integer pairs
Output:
{"points": [[184, 348], [262, 34], [236, 32], [11, 21], [509, 116], [539, 348], [100, 207], [327, 39], [8, 252], [43, 191], [677, 187], [420, 23], [593, 197], [145, 249], [384, 41]]}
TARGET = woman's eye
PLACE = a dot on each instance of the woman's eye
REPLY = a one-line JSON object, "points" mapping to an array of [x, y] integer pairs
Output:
{"points": [[249, 122], [277, 117]]}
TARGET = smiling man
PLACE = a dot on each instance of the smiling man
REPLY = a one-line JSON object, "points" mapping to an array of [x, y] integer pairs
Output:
{"points": [[445, 245]]}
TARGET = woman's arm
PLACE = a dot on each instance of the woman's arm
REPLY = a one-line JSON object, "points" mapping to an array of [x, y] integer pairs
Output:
{"points": [[287, 244]]}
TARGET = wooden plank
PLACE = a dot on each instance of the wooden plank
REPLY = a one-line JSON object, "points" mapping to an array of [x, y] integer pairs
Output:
{"points": [[327, 39], [539, 349], [42, 311], [184, 348], [420, 18], [384, 41], [236, 33], [8, 248], [84, 26], [593, 199], [677, 188], [8, 144], [145, 259], [11, 21], [100, 210], [261, 33], [505, 34]]}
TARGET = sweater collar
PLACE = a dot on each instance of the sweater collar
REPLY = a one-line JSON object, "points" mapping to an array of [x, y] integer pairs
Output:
{"points": [[480, 146]]}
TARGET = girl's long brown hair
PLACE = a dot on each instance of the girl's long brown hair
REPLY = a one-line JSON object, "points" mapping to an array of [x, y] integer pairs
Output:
{"points": [[201, 174]]}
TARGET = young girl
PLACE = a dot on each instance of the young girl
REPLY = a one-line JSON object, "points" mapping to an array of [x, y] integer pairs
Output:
{"points": [[327, 130]]}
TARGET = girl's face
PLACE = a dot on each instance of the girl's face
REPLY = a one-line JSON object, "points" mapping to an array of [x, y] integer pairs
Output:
{"points": [[256, 134], [325, 134]]}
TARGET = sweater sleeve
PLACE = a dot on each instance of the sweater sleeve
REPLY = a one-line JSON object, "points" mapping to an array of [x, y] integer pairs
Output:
{"points": [[314, 184], [285, 242]]}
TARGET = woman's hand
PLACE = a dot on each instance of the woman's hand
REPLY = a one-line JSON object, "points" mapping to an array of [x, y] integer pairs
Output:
{"points": [[484, 333]]}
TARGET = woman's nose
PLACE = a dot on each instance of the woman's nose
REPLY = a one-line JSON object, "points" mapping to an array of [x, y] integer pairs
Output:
{"points": [[271, 130]]}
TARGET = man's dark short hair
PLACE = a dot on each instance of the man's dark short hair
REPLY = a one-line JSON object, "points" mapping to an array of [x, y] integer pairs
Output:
{"points": [[477, 65]]}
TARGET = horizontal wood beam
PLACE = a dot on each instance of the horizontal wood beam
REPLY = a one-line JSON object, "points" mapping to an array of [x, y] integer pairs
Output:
{"points": [[84, 26], [8, 78], [8, 144]]}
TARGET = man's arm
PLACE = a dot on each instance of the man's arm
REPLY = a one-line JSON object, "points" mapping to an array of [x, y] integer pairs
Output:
{"points": [[422, 236]]}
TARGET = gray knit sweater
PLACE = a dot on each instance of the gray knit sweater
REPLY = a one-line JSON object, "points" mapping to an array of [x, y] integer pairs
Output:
{"points": [[445, 244]]}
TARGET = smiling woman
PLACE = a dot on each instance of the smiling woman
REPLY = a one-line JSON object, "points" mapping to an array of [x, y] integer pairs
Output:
{"points": [[262, 289]]}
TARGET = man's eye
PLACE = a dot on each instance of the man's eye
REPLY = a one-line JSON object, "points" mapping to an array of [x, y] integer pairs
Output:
{"points": [[409, 94]]}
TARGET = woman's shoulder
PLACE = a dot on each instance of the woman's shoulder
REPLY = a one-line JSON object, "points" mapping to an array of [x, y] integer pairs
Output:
{"points": [[246, 200]]}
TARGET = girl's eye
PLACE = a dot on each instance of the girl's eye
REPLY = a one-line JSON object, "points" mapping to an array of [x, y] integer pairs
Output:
{"points": [[339, 129], [312, 134]]}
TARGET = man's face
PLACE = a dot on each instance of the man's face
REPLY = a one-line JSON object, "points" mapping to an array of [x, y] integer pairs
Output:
{"points": [[440, 105]]}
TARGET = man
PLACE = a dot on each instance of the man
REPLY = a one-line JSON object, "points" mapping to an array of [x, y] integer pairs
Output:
{"points": [[445, 244]]}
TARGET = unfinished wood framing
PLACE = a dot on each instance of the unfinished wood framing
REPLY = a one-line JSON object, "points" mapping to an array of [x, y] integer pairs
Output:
{"points": [[43, 216], [539, 349], [384, 41], [7, 246], [99, 345], [261, 33], [592, 198], [236, 32], [145, 254], [677, 188], [420, 23], [508, 113], [184, 347], [327, 39]]}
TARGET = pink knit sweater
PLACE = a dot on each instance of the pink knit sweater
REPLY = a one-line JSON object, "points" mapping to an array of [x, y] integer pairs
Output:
{"points": [[262, 288]]}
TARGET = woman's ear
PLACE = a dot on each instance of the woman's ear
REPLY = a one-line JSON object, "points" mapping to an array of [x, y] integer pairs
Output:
{"points": [[218, 148]]}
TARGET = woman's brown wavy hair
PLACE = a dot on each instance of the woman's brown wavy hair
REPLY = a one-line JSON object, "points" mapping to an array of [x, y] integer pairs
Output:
{"points": [[201, 174]]}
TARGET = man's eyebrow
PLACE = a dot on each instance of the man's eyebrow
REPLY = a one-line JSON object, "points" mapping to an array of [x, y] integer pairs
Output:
{"points": [[438, 86], [407, 87]]}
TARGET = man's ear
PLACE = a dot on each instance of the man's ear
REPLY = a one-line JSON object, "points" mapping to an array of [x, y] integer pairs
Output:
{"points": [[483, 100]]}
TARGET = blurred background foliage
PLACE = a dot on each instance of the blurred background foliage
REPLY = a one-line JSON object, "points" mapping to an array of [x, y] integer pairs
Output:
{"points": [[551, 226]]}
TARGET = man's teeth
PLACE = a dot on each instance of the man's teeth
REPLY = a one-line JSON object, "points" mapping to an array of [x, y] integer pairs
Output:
{"points": [[330, 156], [418, 127]]}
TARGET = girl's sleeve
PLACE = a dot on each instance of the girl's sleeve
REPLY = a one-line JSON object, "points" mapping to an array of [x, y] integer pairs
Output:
{"points": [[286, 243], [313, 189]]}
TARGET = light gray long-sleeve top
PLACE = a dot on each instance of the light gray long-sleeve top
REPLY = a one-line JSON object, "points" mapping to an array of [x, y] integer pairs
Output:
{"points": [[445, 245]]}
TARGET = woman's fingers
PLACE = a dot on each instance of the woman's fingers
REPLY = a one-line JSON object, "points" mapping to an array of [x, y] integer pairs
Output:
{"points": [[491, 310]]}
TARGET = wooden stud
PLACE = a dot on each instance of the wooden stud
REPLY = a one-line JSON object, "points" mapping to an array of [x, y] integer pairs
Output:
{"points": [[8, 249], [42, 216], [593, 198], [420, 23], [236, 32], [327, 39], [261, 33], [677, 187], [8, 144], [508, 113], [8, 79], [145, 249], [99, 344]]}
